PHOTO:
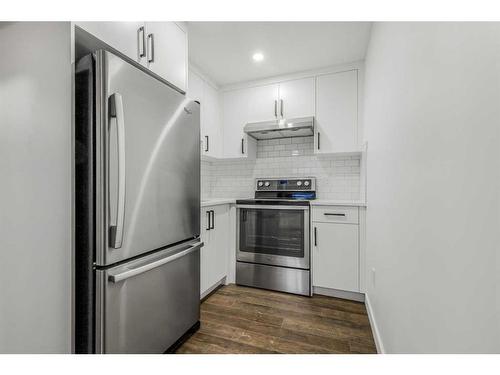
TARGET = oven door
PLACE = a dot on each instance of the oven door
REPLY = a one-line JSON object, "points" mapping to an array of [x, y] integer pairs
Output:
{"points": [[274, 235]]}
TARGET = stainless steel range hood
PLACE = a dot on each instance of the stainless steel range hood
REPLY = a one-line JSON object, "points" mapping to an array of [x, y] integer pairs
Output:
{"points": [[297, 127]]}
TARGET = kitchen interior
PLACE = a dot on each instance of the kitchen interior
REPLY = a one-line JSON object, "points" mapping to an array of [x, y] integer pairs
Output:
{"points": [[250, 187]]}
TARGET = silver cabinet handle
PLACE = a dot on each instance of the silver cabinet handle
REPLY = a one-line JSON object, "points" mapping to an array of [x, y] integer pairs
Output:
{"points": [[281, 107], [333, 214], [206, 143], [134, 271], [319, 141], [315, 236], [141, 42], [213, 219], [242, 146], [208, 221], [151, 48], [276, 108], [116, 112]]}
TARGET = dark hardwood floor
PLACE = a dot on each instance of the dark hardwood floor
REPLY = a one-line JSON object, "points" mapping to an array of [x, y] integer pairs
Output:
{"points": [[237, 319]]}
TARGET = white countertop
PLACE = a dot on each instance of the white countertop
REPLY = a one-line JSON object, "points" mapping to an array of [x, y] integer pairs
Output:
{"points": [[331, 202], [217, 201], [316, 202]]}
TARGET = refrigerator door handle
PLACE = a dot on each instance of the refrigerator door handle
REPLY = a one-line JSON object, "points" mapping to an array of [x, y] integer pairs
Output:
{"points": [[116, 112], [134, 271]]}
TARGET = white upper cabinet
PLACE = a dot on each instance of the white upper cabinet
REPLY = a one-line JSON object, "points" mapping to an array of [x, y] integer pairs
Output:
{"points": [[211, 123], [159, 46], [289, 99], [167, 52], [336, 126], [127, 37], [235, 114], [296, 98], [195, 86], [262, 103]]}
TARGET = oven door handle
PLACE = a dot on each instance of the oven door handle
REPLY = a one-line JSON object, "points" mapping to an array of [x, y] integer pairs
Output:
{"points": [[273, 207]]}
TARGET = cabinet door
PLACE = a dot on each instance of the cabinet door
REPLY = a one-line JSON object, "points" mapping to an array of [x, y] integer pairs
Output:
{"points": [[296, 98], [210, 122], [167, 52], [195, 87], [126, 37], [206, 252], [235, 109], [262, 103], [336, 256], [336, 127], [220, 242]]}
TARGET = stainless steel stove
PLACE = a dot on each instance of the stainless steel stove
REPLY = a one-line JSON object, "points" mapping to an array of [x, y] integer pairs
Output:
{"points": [[273, 236]]}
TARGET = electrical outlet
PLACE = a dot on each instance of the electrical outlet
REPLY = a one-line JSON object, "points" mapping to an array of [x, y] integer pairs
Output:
{"points": [[373, 276]]}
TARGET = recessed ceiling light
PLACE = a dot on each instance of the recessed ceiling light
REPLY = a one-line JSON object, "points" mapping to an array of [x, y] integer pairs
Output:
{"points": [[257, 57]]}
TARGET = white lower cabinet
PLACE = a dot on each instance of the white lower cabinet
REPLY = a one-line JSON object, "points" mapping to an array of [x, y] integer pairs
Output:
{"points": [[335, 253], [214, 254]]}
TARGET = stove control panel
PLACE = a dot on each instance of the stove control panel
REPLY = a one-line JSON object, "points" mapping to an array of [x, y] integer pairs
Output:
{"points": [[285, 184]]}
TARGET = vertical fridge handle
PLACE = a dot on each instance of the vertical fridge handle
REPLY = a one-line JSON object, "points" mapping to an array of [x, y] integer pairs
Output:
{"points": [[116, 112]]}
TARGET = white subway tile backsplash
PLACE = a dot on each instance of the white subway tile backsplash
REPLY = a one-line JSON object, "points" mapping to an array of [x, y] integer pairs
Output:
{"points": [[338, 176]]}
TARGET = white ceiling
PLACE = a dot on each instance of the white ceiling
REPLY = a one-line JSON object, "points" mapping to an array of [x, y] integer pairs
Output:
{"points": [[223, 50]]}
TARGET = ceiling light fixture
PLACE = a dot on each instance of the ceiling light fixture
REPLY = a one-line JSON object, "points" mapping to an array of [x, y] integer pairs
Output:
{"points": [[258, 57]]}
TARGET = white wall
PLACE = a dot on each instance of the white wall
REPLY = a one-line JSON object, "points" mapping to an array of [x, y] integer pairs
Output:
{"points": [[432, 116], [35, 188]]}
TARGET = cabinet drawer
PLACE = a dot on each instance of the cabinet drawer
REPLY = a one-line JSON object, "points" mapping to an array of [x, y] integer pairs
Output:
{"points": [[335, 214]]}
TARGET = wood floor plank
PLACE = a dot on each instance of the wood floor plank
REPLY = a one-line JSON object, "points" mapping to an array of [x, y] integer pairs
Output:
{"points": [[238, 319], [305, 342], [301, 322], [231, 345], [260, 340], [299, 307], [253, 315], [308, 316], [325, 330], [316, 300]]}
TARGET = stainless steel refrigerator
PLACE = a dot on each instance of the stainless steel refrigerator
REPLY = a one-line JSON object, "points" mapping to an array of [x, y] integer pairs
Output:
{"points": [[137, 209]]}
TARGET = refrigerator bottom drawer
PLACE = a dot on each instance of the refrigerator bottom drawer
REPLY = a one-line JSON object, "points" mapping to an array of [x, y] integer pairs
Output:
{"points": [[148, 304]]}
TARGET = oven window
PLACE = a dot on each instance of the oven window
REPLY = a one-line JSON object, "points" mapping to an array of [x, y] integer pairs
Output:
{"points": [[272, 231]]}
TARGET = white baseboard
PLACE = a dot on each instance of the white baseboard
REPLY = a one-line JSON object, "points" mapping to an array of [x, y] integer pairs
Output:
{"points": [[373, 323], [213, 287], [360, 297]]}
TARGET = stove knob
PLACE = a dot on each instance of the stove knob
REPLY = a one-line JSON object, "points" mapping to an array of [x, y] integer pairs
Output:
{"points": [[260, 183], [306, 183], [299, 183], [267, 183]]}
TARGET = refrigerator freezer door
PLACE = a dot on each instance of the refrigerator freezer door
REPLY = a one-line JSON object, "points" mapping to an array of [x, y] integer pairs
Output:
{"points": [[146, 305], [147, 162]]}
